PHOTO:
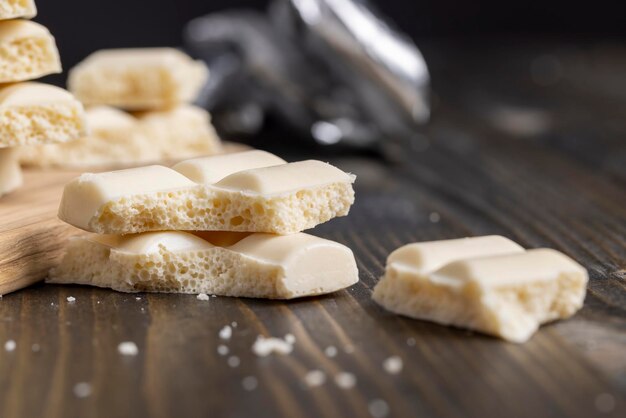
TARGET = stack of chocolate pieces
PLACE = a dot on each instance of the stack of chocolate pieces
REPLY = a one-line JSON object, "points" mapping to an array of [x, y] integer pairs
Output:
{"points": [[139, 111], [30, 113], [226, 225]]}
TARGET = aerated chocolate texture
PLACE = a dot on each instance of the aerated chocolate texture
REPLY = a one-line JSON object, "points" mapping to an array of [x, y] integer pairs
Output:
{"points": [[34, 113], [13, 9], [120, 139], [489, 284], [275, 197], [222, 263], [27, 51]]}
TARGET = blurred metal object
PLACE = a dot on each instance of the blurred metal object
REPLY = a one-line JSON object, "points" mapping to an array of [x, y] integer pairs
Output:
{"points": [[332, 69]]}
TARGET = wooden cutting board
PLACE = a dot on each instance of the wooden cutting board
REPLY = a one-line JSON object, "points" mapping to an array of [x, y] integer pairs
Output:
{"points": [[32, 238]]}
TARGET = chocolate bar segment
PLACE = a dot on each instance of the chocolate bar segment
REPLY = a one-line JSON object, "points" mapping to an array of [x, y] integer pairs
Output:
{"points": [[225, 264]]}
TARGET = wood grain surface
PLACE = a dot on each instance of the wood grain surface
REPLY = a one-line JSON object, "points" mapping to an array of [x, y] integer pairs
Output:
{"points": [[477, 170], [31, 237]]}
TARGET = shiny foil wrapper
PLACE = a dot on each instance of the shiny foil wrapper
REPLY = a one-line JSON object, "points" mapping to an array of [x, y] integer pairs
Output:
{"points": [[334, 70]]}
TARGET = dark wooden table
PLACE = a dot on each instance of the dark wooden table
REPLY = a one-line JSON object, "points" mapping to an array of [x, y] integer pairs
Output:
{"points": [[527, 141]]}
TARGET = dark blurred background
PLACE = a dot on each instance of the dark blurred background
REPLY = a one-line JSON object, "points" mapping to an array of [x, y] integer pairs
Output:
{"points": [[82, 26], [551, 71]]}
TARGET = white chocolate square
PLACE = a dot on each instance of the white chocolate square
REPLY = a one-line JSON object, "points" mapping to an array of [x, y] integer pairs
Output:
{"points": [[138, 79], [491, 285], [36, 113], [10, 171], [120, 139], [225, 264], [426, 257], [27, 51], [282, 199], [211, 170], [13, 9]]}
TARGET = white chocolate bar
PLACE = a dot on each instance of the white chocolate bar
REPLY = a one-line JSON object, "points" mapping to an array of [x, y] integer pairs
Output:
{"points": [[488, 284], [35, 113], [138, 79], [10, 171], [13, 9], [211, 170], [282, 199], [225, 264], [27, 51], [119, 139]]}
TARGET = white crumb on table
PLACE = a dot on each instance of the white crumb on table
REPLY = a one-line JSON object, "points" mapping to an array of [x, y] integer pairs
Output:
{"points": [[315, 378], [330, 351], [137, 298], [82, 389], [233, 361], [345, 380], [222, 350], [128, 348], [393, 365], [10, 345], [263, 347], [249, 383], [378, 408], [71, 299], [290, 339], [226, 332], [202, 296]]}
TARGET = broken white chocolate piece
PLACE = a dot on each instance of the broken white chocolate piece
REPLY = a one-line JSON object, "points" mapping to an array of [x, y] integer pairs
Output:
{"points": [[212, 169], [13, 9], [10, 171], [138, 79], [500, 290], [281, 199], [120, 139], [112, 138], [27, 51], [252, 265], [35, 113], [178, 133]]}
